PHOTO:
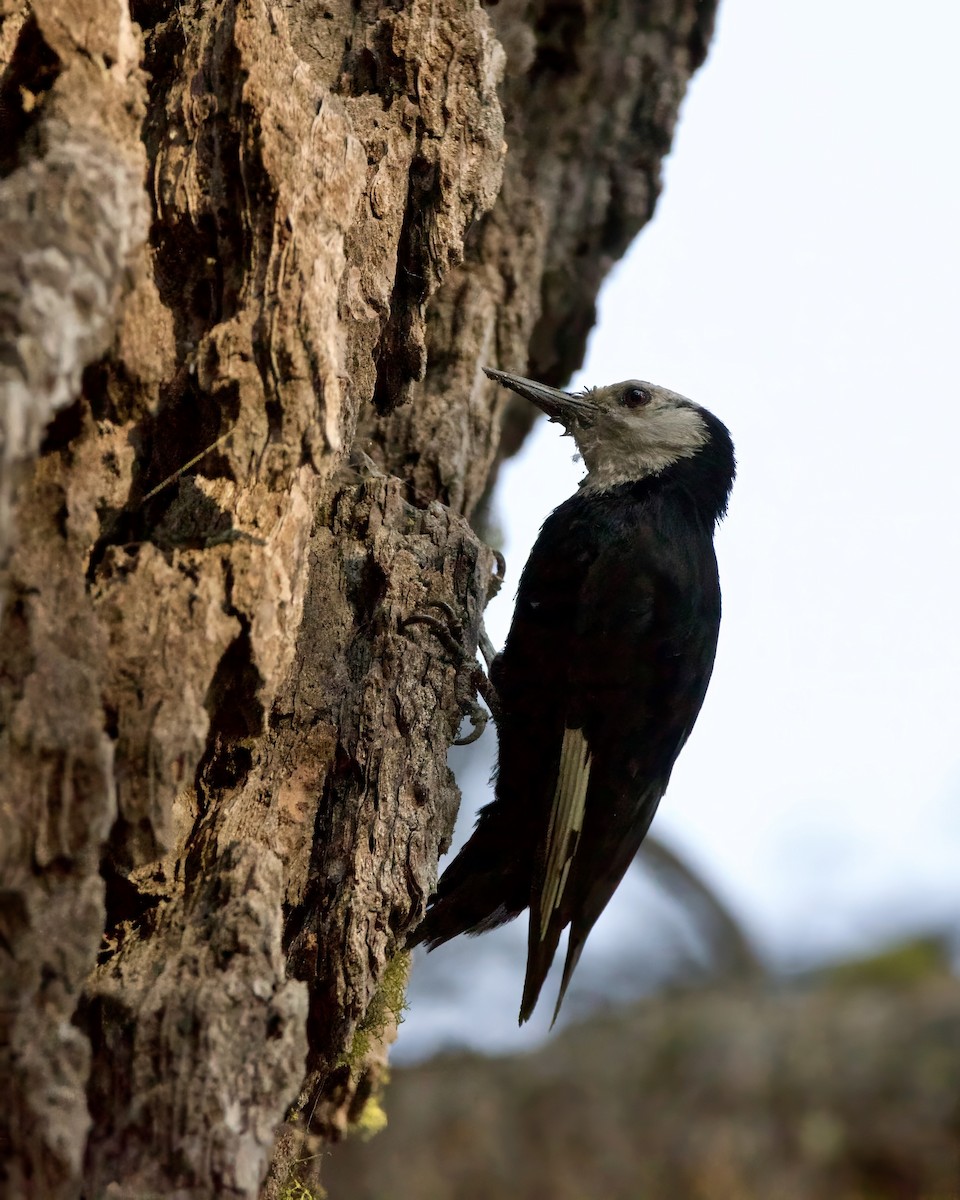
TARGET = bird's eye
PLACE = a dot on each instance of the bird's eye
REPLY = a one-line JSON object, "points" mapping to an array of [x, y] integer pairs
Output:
{"points": [[635, 397]]}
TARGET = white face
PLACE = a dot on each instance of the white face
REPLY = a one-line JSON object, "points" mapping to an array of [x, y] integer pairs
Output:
{"points": [[624, 431], [631, 429]]}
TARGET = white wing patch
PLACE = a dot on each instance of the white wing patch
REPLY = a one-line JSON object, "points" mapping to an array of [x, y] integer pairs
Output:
{"points": [[566, 822]]}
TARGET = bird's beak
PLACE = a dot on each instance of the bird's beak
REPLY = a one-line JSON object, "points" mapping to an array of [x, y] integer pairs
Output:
{"points": [[559, 406]]}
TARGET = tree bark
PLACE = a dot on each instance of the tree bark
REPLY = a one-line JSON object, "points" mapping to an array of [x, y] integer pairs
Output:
{"points": [[240, 242]]}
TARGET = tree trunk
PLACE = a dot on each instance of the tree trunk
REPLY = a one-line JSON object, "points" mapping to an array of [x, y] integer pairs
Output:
{"points": [[240, 242]]}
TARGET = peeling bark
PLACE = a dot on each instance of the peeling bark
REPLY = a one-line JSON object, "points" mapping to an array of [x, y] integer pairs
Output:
{"points": [[238, 242]]}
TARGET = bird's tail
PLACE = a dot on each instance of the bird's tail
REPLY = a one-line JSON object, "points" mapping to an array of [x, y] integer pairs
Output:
{"points": [[540, 952], [480, 904], [487, 884], [539, 959], [575, 944]]}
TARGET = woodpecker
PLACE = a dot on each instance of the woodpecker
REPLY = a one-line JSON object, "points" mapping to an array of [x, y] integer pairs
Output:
{"points": [[603, 672]]}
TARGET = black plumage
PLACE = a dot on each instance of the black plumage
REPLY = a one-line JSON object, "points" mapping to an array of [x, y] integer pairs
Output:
{"points": [[603, 673]]}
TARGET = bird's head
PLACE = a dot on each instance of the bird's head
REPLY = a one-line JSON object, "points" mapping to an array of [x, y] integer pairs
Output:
{"points": [[625, 431]]}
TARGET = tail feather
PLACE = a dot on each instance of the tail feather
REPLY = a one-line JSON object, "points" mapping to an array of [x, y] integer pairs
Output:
{"points": [[482, 887], [540, 957], [540, 954], [467, 910], [575, 944]]}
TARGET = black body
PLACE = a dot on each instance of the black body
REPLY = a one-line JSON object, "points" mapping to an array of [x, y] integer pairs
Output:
{"points": [[614, 634]]}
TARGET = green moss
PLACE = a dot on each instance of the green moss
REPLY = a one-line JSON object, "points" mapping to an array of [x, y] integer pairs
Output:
{"points": [[372, 1119], [295, 1190], [388, 1004]]}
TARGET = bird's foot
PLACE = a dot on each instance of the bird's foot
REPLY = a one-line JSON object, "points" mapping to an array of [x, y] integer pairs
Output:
{"points": [[494, 586], [471, 679]]}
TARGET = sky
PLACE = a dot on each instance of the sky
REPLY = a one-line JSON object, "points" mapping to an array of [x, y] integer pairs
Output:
{"points": [[801, 279]]}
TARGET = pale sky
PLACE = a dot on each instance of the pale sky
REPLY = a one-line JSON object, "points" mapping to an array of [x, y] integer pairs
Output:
{"points": [[801, 278]]}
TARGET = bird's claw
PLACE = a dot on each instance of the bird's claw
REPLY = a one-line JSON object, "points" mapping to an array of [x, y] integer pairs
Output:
{"points": [[449, 633], [471, 679], [478, 718], [496, 579]]}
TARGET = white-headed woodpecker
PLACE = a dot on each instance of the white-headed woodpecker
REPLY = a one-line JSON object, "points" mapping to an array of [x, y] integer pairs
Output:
{"points": [[603, 673]]}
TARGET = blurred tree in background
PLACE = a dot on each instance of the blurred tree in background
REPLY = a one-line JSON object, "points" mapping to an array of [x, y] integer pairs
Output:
{"points": [[842, 1086]]}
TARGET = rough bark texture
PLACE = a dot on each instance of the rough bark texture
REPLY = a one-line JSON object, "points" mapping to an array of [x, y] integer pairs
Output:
{"points": [[238, 241]]}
